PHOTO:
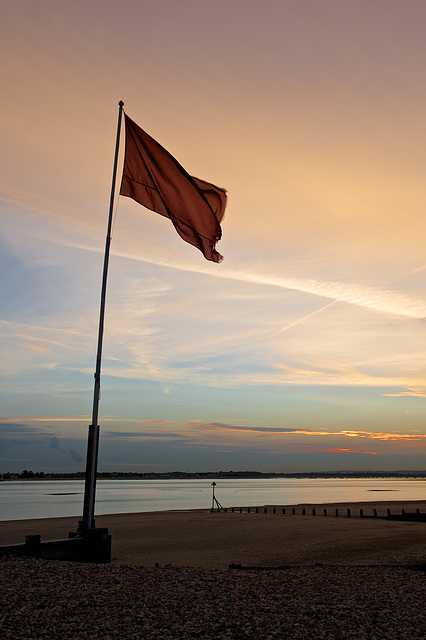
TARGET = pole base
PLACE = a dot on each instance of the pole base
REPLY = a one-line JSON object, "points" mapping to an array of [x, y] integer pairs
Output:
{"points": [[93, 545]]}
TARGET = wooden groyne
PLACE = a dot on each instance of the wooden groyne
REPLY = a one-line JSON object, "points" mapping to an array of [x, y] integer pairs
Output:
{"points": [[385, 513]]}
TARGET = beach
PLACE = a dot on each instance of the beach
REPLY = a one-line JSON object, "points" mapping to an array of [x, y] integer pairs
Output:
{"points": [[344, 577], [202, 539], [48, 600]]}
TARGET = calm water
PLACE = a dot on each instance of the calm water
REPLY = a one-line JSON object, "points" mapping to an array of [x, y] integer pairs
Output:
{"points": [[26, 499]]}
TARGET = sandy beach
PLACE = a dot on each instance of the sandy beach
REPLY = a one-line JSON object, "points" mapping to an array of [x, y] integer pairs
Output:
{"points": [[170, 579], [208, 540]]}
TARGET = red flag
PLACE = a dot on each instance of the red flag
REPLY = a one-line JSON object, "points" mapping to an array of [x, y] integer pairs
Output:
{"points": [[153, 177]]}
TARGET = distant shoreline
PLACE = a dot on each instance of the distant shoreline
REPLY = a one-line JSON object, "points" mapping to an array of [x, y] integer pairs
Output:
{"points": [[216, 475]]}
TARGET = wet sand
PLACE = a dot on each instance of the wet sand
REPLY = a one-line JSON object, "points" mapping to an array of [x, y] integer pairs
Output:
{"points": [[199, 538]]}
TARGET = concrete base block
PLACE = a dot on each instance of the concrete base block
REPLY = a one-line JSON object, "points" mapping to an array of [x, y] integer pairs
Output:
{"points": [[93, 545]]}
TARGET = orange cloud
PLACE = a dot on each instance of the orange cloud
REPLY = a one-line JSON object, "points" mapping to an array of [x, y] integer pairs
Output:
{"points": [[415, 393], [218, 426], [414, 436], [371, 453]]}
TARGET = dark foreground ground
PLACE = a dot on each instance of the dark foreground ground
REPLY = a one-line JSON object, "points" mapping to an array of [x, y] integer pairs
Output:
{"points": [[58, 600]]}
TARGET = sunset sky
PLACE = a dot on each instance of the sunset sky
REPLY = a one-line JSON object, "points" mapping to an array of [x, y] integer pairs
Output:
{"points": [[305, 349]]}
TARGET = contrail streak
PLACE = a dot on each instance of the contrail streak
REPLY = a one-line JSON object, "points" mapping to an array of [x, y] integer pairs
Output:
{"points": [[309, 315]]}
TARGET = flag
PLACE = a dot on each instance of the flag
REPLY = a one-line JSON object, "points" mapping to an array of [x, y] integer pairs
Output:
{"points": [[153, 177]]}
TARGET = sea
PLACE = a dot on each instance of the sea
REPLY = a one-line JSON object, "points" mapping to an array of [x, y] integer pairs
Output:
{"points": [[29, 499]]}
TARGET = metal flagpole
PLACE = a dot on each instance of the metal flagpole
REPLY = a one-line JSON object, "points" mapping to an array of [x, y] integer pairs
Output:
{"points": [[88, 521]]}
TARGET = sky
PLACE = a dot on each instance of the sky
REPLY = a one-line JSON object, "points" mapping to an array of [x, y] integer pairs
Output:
{"points": [[305, 349]]}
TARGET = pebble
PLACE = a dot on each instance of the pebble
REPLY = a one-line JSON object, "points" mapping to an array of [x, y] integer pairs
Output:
{"points": [[42, 599]]}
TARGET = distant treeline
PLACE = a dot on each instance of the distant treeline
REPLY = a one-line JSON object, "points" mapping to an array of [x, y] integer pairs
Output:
{"points": [[209, 475]]}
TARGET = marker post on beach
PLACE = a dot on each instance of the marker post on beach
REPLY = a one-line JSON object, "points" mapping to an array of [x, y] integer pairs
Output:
{"points": [[213, 498], [215, 501]]}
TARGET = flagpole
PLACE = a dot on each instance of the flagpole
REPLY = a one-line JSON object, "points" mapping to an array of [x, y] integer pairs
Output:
{"points": [[88, 521]]}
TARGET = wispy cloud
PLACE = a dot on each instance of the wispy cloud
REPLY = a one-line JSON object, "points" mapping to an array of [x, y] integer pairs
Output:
{"points": [[84, 419], [393, 436], [415, 393], [136, 435], [57, 210], [375, 298], [306, 317], [337, 450], [34, 347], [14, 428]]}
